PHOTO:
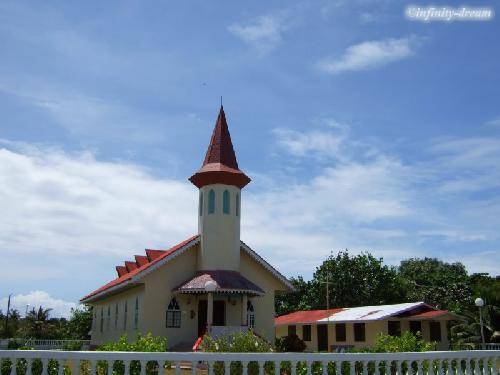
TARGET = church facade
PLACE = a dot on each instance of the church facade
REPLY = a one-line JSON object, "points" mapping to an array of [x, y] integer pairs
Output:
{"points": [[210, 283]]}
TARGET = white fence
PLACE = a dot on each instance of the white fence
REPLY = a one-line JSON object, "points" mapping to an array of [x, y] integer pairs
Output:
{"points": [[46, 344], [16, 362]]}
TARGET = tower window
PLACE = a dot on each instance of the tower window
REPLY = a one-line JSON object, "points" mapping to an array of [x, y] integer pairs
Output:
{"points": [[237, 204], [211, 201], [173, 314], [226, 206], [201, 203]]}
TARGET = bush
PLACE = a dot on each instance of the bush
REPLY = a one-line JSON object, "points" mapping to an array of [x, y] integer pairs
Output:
{"points": [[147, 343], [291, 343], [238, 342]]}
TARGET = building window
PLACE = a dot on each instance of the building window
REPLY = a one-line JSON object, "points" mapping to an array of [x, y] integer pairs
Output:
{"points": [[237, 204], [211, 201], [340, 332], [226, 206], [116, 316], [136, 313], [435, 331], [173, 314], [394, 328], [201, 203], [102, 320], [250, 315], [292, 330], [359, 331], [306, 333], [125, 315], [108, 319], [415, 326]]}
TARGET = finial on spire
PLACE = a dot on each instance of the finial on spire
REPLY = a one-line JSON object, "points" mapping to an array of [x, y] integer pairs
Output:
{"points": [[221, 100]]}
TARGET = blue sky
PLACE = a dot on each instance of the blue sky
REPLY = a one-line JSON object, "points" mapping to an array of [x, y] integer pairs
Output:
{"points": [[360, 129]]}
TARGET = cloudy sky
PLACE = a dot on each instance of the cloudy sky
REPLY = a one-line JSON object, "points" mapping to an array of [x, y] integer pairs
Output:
{"points": [[360, 129]]}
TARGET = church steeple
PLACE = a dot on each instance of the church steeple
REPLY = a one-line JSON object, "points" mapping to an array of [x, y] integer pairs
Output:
{"points": [[220, 165], [219, 211]]}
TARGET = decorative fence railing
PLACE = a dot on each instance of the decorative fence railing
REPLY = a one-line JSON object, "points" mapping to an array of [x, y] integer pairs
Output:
{"points": [[476, 346], [46, 344], [17, 362]]}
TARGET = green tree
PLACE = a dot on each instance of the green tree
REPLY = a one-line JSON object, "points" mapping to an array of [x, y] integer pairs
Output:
{"points": [[297, 300], [356, 280], [79, 324], [440, 284]]}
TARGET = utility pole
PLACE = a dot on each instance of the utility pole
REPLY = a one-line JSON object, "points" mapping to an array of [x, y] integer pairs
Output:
{"points": [[327, 283], [7, 315]]}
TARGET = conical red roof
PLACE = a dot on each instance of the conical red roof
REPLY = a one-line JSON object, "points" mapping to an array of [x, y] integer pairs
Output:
{"points": [[220, 165]]}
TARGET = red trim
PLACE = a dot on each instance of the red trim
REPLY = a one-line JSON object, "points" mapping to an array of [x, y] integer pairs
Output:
{"points": [[141, 260], [429, 314], [121, 270], [130, 265], [311, 316], [154, 254], [197, 344], [218, 173], [128, 276]]}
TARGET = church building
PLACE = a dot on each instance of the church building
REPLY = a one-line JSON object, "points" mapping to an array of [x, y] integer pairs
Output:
{"points": [[210, 283]]}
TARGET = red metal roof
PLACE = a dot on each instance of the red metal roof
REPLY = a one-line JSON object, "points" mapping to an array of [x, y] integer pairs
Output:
{"points": [[220, 164], [310, 316], [155, 256], [429, 314]]}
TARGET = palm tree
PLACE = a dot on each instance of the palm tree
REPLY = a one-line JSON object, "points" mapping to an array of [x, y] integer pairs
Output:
{"points": [[38, 323]]}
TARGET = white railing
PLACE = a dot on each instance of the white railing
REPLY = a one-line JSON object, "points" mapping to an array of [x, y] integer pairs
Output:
{"points": [[16, 362], [45, 344], [218, 331]]}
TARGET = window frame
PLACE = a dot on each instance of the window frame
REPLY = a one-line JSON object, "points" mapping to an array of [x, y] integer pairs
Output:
{"points": [[306, 332], [395, 326], [211, 201], [226, 202], [341, 332], [359, 332], [433, 331], [173, 314], [136, 313], [250, 315], [412, 324], [292, 330]]}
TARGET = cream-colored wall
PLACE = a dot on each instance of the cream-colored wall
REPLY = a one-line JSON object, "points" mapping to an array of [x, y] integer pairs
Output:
{"points": [[263, 305], [157, 296], [372, 329], [110, 332], [220, 232]]}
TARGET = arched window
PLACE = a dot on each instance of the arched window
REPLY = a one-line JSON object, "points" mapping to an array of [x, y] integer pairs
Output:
{"points": [[237, 204], [250, 315], [226, 205], [173, 314], [211, 201], [201, 203]]}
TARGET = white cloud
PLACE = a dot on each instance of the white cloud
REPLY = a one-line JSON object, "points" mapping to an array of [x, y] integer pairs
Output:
{"points": [[263, 33], [90, 213], [369, 55], [495, 122], [35, 299]]}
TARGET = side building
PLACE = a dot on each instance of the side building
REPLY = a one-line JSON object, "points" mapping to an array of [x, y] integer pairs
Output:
{"points": [[358, 327]]}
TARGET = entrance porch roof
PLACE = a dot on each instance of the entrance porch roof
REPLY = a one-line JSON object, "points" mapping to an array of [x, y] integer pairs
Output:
{"points": [[219, 281]]}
